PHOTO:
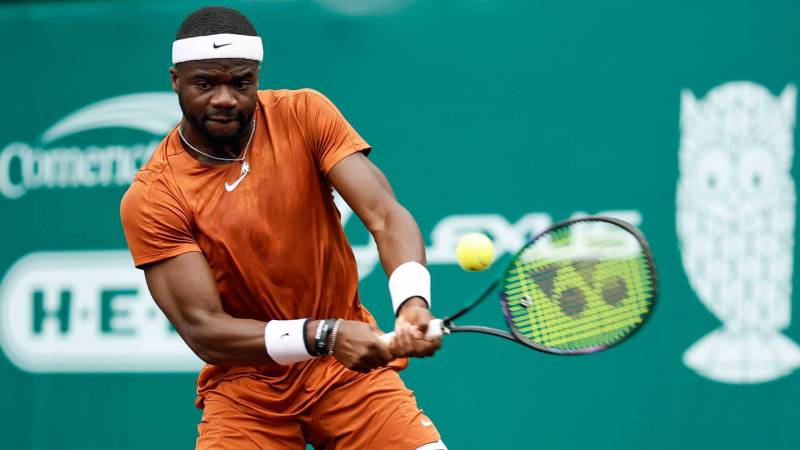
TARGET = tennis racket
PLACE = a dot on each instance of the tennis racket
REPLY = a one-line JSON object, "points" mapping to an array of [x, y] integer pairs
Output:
{"points": [[581, 286]]}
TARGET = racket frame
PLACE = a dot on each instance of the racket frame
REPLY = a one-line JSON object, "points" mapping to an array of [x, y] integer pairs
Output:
{"points": [[448, 325], [648, 256]]}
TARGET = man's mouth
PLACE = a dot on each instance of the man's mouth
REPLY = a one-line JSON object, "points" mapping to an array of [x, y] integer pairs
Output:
{"points": [[222, 119]]}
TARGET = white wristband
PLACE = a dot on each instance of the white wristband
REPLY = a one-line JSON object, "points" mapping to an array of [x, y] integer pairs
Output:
{"points": [[408, 280], [286, 341]]}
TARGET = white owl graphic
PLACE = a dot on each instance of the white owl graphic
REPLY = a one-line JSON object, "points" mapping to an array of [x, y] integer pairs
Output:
{"points": [[735, 220]]}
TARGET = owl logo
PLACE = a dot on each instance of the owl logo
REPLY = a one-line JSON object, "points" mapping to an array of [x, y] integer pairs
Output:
{"points": [[735, 222]]}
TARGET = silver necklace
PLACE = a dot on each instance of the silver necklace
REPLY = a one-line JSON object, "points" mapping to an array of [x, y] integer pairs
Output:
{"points": [[243, 158], [245, 168]]}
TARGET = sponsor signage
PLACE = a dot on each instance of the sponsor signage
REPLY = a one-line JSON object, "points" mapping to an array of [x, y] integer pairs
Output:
{"points": [[25, 167], [86, 311]]}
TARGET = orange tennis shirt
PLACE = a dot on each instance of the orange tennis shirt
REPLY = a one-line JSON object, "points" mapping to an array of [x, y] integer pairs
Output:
{"points": [[275, 243]]}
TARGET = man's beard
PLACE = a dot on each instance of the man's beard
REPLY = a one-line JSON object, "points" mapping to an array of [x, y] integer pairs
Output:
{"points": [[231, 138]]}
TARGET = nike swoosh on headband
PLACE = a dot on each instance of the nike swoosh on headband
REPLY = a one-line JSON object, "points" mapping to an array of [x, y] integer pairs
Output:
{"points": [[221, 45]]}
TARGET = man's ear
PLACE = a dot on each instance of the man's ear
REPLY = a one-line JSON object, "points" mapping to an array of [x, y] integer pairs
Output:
{"points": [[173, 75]]}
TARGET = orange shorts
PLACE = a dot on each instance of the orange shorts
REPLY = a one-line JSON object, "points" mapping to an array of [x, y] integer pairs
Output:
{"points": [[359, 412]]}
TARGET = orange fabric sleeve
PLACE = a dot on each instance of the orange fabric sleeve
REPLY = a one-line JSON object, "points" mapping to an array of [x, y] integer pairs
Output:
{"points": [[329, 135], [156, 225]]}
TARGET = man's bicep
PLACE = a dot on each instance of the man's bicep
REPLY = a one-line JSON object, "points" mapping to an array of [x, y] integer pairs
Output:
{"points": [[381, 177], [184, 289]]}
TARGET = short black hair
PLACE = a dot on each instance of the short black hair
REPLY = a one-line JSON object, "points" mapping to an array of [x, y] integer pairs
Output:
{"points": [[215, 20]]}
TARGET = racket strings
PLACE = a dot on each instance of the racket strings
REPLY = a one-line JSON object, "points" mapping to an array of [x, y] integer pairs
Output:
{"points": [[631, 312], [599, 333], [555, 330], [607, 323], [604, 326], [574, 301]]}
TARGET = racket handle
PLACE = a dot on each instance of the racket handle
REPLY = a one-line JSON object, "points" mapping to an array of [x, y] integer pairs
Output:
{"points": [[435, 330]]}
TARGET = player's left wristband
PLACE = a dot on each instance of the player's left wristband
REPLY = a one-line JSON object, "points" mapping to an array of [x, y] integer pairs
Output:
{"points": [[410, 279], [285, 341]]}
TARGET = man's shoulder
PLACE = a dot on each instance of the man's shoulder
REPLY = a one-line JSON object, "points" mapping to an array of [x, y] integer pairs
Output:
{"points": [[156, 170], [159, 162], [292, 98]]}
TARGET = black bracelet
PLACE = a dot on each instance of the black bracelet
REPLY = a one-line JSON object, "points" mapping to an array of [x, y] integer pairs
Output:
{"points": [[317, 335], [321, 339], [305, 338]]}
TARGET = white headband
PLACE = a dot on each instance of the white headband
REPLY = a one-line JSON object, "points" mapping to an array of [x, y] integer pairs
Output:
{"points": [[217, 46]]}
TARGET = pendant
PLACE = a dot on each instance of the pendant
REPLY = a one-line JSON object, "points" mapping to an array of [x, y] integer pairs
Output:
{"points": [[243, 173]]}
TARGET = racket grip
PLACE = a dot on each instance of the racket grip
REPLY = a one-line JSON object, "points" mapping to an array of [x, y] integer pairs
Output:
{"points": [[435, 330]]}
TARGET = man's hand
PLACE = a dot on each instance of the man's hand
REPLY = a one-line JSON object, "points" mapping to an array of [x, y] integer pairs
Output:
{"points": [[410, 327], [359, 348]]}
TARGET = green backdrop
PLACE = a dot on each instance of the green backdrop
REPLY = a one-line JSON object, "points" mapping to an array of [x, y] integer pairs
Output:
{"points": [[502, 115]]}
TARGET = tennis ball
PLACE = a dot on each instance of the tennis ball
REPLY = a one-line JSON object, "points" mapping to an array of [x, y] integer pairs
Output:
{"points": [[475, 252]]}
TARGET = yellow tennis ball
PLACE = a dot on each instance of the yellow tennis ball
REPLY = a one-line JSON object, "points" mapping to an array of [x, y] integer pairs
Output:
{"points": [[475, 252]]}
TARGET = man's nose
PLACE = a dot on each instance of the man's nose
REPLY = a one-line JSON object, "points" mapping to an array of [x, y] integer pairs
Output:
{"points": [[223, 97]]}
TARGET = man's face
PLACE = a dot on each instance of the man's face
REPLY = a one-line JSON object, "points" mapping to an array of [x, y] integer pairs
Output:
{"points": [[217, 96]]}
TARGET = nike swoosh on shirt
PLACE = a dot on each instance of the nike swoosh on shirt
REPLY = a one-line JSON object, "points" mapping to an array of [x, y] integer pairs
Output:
{"points": [[425, 422], [231, 187], [221, 45]]}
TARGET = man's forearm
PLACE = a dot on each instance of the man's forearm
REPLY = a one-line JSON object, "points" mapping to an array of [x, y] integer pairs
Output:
{"points": [[399, 239], [225, 340]]}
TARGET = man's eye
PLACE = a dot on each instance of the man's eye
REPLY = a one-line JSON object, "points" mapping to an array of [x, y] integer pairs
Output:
{"points": [[242, 84], [203, 85]]}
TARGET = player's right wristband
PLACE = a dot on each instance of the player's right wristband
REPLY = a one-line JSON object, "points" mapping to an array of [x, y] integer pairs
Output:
{"points": [[286, 341], [410, 279]]}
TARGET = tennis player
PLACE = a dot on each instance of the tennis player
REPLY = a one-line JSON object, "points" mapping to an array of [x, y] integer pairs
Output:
{"points": [[233, 222]]}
